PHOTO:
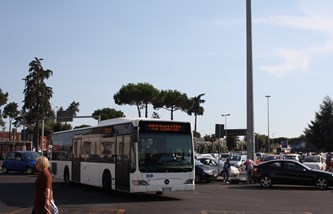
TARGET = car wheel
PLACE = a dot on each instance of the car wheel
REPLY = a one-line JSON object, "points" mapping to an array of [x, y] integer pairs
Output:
{"points": [[4, 170], [265, 181], [29, 171], [197, 179], [321, 183]]}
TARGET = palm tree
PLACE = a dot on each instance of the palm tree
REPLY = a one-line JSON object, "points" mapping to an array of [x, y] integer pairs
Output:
{"points": [[195, 108]]}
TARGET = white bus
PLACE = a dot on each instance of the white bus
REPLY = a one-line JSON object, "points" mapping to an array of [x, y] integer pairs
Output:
{"points": [[124, 154]]}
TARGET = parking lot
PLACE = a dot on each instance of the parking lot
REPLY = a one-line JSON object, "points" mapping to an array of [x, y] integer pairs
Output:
{"points": [[215, 197]]}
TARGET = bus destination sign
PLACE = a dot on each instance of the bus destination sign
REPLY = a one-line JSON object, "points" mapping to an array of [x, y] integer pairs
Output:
{"points": [[170, 127]]}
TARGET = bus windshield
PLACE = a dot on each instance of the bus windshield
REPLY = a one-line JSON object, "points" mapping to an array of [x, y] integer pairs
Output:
{"points": [[165, 152]]}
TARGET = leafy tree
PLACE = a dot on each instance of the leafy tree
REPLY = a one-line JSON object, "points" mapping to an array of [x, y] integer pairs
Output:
{"points": [[3, 101], [61, 127], [231, 142], [74, 107], [107, 113], [210, 138], [82, 126], [37, 96], [320, 130], [155, 115], [140, 94], [10, 111], [261, 142], [170, 100], [193, 107], [196, 134]]}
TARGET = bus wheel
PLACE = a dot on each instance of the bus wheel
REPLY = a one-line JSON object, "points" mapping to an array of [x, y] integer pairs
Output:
{"points": [[66, 177], [106, 182]]}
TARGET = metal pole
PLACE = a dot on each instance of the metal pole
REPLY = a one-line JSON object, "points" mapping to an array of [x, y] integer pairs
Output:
{"points": [[225, 127], [249, 88], [268, 142]]}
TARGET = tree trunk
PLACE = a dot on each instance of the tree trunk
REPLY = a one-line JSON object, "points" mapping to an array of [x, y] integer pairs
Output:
{"points": [[138, 107], [195, 123]]}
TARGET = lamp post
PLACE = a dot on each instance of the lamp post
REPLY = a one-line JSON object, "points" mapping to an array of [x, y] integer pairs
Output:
{"points": [[268, 143], [225, 127]]}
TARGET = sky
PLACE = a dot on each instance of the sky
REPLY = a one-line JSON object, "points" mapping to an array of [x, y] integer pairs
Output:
{"points": [[193, 46]]}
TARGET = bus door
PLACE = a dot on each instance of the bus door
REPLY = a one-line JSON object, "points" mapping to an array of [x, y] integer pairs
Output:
{"points": [[123, 162], [76, 160]]}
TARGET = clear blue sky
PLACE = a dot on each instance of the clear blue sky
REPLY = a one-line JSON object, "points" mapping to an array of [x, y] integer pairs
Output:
{"points": [[193, 46]]}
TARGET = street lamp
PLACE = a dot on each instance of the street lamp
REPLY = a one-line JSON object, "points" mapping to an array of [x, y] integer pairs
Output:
{"points": [[225, 127], [268, 143]]}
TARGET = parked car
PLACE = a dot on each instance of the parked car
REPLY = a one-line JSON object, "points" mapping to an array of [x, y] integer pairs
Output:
{"points": [[197, 155], [234, 172], [260, 155], [225, 156], [315, 162], [290, 172], [22, 161], [238, 161], [267, 158], [296, 157], [204, 172]]}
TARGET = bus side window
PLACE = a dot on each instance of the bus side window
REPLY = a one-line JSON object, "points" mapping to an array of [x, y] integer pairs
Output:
{"points": [[108, 149], [85, 150], [93, 155]]}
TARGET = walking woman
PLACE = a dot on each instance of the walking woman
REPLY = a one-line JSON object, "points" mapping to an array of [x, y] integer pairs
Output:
{"points": [[43, 187]]}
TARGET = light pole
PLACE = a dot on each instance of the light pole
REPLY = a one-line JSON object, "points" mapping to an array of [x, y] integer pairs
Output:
{"points": [[268, 143], [225, 126]]}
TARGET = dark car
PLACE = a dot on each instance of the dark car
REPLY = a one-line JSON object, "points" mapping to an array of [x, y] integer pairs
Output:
{"points": [[22, 161], [204, 172], [290, 172]]}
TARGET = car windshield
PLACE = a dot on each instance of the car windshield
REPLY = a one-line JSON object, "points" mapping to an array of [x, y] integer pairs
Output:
{"points": [[223, 156], [235, 158], [27, 156], [291, 157], [312, 159], [266, 158]]}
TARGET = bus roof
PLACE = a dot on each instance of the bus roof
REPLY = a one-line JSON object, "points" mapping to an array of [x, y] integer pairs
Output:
{"points": [[121, 120]]}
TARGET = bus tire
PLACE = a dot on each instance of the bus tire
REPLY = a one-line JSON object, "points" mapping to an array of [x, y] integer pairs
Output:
{"points": [[106, 181], [66, 176]]}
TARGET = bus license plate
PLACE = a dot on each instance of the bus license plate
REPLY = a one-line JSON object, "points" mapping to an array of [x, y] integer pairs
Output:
{"points": [[166, 189]]}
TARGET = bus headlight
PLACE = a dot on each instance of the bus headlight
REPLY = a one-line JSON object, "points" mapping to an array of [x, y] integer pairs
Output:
{"points": [[140, 183], [189, 181]]}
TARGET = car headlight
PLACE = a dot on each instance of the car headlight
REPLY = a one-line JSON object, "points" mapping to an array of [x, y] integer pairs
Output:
{"points": [[210, 171]]}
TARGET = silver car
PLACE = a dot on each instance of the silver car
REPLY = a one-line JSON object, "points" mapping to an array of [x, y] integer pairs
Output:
{"points": [[315, 162], [238, 161]]}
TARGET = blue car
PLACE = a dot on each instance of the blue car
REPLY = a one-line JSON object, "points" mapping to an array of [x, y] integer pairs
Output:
{"points": [[22, 161]]}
